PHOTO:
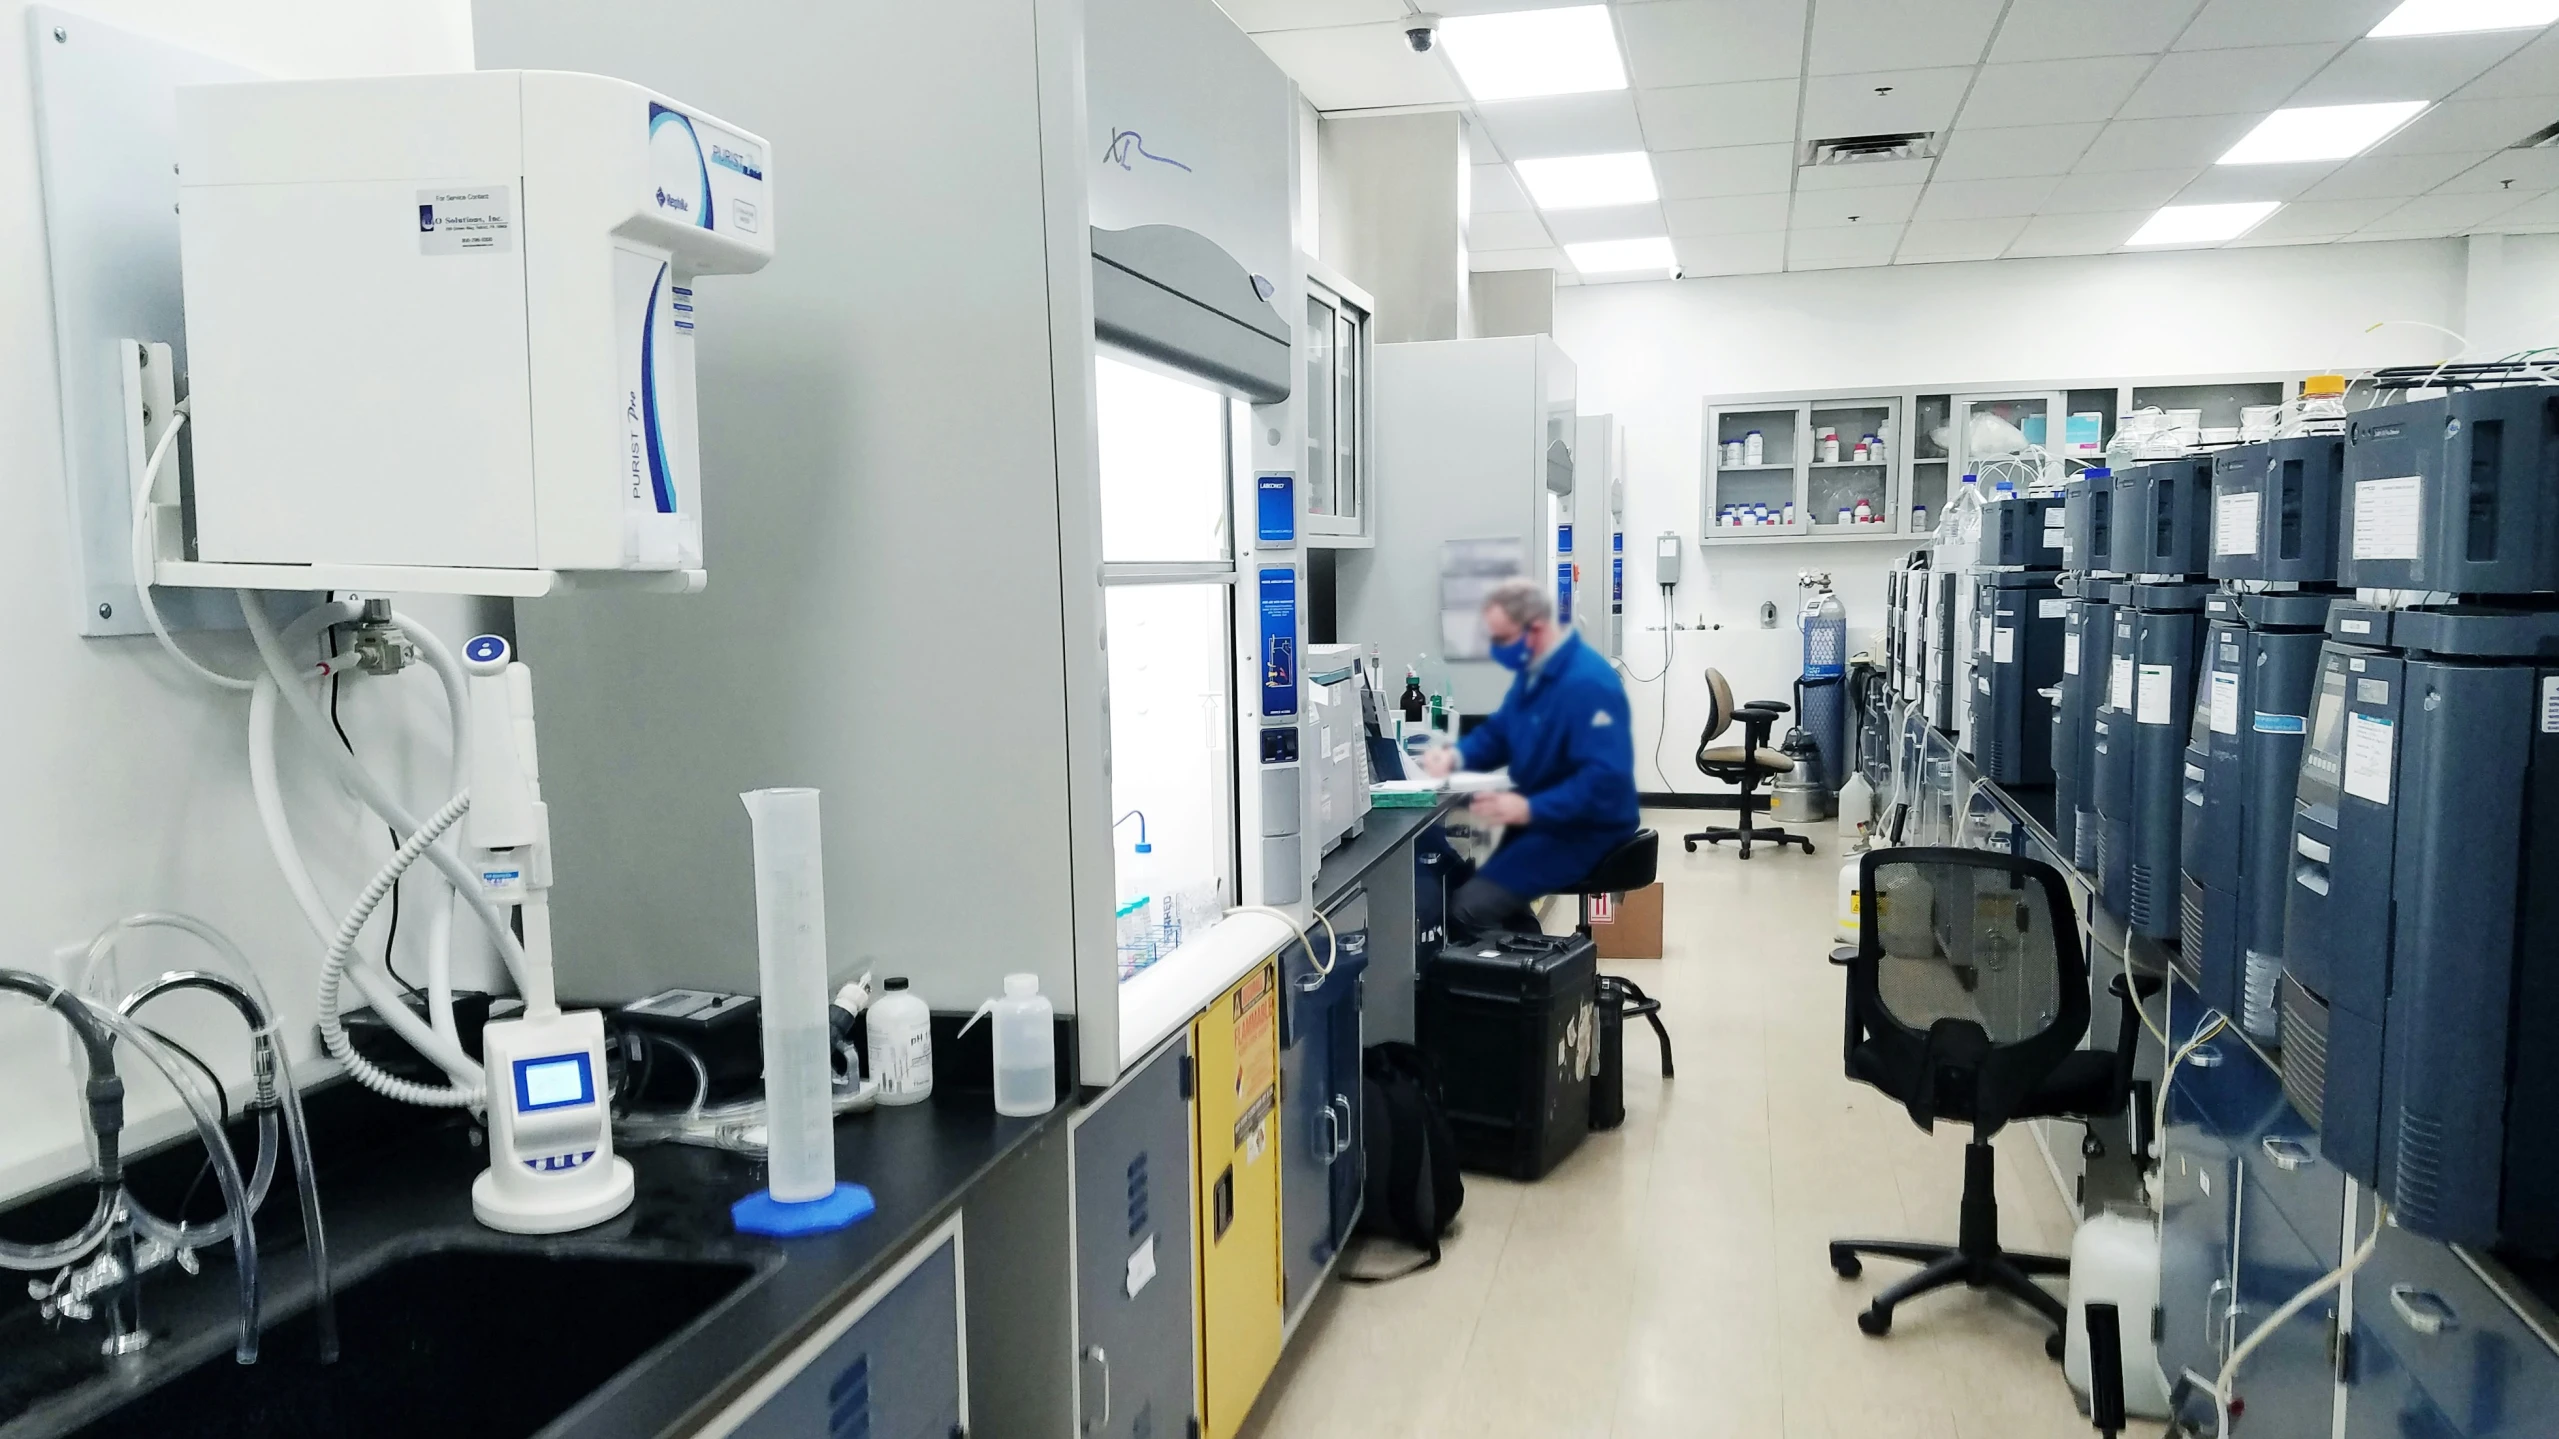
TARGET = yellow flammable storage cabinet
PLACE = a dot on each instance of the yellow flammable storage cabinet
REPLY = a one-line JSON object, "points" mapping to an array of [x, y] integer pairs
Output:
{"points": [[1236, 1144]]}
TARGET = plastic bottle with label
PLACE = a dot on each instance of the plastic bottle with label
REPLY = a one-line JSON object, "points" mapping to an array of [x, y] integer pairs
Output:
{"points": [[1025, 1045], [2321, 410], [1754, 448], [901, 1027]]}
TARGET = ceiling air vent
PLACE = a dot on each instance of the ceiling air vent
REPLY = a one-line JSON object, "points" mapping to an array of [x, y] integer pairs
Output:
{"points": [[2542, 139], [1860, 149]]}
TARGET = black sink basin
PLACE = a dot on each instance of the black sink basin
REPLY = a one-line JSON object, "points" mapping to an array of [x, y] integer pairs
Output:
{"points": [[493, 1344]]}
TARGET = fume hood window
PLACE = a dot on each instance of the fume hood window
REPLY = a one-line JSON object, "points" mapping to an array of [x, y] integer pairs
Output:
{"points": [[1336, 411], [1168, 471], [1165, 481]]}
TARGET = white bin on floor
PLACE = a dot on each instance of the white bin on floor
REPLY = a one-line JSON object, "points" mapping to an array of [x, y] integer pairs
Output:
{"points": [[2114, 1259]]}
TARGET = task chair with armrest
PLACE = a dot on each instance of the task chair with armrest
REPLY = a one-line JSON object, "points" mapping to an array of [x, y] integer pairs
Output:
{"points": [[1967, 999], [1744, 764]]}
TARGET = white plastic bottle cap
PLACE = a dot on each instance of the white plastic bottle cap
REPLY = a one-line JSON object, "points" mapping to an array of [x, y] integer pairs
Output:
{"points": [[1019, 986]]}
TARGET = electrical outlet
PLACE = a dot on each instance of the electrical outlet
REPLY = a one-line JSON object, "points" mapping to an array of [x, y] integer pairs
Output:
{"points": [[1768, 614]]}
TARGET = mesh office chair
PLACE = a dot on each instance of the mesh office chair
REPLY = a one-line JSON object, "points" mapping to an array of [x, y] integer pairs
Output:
{"points": [[1967, 999], [1744, 764]]}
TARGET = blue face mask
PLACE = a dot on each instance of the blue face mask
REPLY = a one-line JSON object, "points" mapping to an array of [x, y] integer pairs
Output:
{"points": [[1512, 656]]}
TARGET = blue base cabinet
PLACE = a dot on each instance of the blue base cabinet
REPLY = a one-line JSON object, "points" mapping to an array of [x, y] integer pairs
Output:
{"points": [[1136, 1377], [1320, 1038], [888, 1366], [2435, 1345]]}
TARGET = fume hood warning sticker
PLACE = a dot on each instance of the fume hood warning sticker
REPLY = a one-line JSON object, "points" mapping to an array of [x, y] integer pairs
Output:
{"points": [[2368, 750], [2389, 516], [479, 220]]}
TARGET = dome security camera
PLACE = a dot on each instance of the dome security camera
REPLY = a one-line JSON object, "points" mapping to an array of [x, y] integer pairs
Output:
{"points": [[1421, 32]]}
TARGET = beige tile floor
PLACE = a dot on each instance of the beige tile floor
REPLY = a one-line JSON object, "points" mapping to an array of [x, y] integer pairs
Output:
{"points": [[1670, 1279]]}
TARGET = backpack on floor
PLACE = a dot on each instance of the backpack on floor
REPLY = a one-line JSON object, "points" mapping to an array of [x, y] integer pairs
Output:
{"points": [[1410, 1189]]}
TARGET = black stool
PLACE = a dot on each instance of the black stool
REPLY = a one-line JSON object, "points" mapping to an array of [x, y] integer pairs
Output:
{"points": [[1631, 865]]}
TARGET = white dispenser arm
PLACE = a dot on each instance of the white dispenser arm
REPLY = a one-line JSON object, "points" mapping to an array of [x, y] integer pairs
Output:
{"points": [[509, 828]]}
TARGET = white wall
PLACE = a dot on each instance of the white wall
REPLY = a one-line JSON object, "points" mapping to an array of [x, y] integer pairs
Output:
{"points": [[125, 782], [1651, 353]]}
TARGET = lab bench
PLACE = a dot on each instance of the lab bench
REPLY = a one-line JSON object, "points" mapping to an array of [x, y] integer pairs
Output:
{"points": [[2430, 1340]]}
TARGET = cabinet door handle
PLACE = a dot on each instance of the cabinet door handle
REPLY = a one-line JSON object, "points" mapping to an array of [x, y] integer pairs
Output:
{"points": [[2214, 1312], [2205, 1057], [2423, 1310], [1094, 1353], [1343, 1145], [2288, 1153]]}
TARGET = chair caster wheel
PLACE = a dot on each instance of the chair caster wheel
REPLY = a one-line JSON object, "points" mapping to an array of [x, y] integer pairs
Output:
{"points": [[1808, 846], [1846, 1265], [2053, 1344], [1876, 1322], [1692, 846]]}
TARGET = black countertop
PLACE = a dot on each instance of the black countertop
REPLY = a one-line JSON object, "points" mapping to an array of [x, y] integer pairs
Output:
{"points": [[412, 1196], [1385, 832]]}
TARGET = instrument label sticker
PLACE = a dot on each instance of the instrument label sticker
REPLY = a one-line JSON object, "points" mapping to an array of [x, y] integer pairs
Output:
{"points": [[2389, 518], [2369, 741]]}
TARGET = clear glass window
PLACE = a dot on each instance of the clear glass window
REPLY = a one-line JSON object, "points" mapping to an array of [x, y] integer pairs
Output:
{"points": [[1172, 763], [1320, 407], [1348, 412], [1167, 488]]}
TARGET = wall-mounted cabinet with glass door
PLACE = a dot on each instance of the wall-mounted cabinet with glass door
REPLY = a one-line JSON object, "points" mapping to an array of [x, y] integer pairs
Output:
{"points": [[1902, 456], [1335, 346]]}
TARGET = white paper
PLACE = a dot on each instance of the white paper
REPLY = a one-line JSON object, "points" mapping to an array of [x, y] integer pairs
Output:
{"points": [[2389, 517], [2070, 654], [1982, 642], [2225, 702], [2056, 528], [2119, 684], [2003, 646], [2550, 705], [2368, 743], [2158, 687], [2052, 609], [1141, 1267], [2234, 530]]}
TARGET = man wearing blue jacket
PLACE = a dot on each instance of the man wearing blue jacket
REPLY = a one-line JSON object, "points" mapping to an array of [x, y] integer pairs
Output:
{"points": [[1564, 732]]}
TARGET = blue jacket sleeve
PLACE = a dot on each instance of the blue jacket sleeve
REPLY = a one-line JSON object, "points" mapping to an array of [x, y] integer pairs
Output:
{"points": [[1599, 784], [1489, 746]]}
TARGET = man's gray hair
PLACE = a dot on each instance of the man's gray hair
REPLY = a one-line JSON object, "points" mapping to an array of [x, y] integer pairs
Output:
{"points": [[1524, 601]]}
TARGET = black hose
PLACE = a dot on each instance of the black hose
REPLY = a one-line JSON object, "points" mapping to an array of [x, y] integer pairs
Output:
{"points": [[106, 1091]]}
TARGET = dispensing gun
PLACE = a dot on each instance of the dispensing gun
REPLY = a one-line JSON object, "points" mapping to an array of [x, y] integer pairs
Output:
{"points": [[551, 1162]]}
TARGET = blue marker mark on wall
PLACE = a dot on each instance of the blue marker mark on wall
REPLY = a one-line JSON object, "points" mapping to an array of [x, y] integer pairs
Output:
{"points": [[1128, 144]]}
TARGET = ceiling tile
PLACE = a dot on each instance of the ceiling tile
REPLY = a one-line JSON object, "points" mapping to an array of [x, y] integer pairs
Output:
{"points": [[1496, 188], [1731, 254], [1974, 153], [2143, 190], [1611, 222], [1850, 36], [1729, 215], [2071, 29], [2225, 82], [1730, 170], [1870, 208], [2076, 234], [2458, 125], [1691, 117], [1601, 124], [2320, 219], [2448, 214], [1957, 239], [2052, 91], [2380, 177], [2533, 213], [1310, 14], [1541, 259], [1507, 230], [2530, 71], [2187, 140], [2407, 67], [1883, 102], [2225, 23], [1841, 246], [1864, 174], [1709, 42], [2518, 172], [1984, 199], [2231, 184], [1361, 67]]}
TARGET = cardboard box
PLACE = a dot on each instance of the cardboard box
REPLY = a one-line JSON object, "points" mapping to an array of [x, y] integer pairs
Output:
{"points": [[1633, 926]]}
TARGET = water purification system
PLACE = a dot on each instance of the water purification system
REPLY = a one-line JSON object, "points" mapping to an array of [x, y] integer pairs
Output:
{"points": [[2425, 885]]}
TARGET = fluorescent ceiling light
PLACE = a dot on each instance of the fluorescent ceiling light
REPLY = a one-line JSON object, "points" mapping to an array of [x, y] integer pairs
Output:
{"points": [[1582, 182], [1615, 257], [2202, 224], [2320, 132], [1534, 52], [2459, 17]]}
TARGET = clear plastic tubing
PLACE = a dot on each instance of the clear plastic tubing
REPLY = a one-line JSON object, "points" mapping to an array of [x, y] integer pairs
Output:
{"points": [[790, 941]]}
